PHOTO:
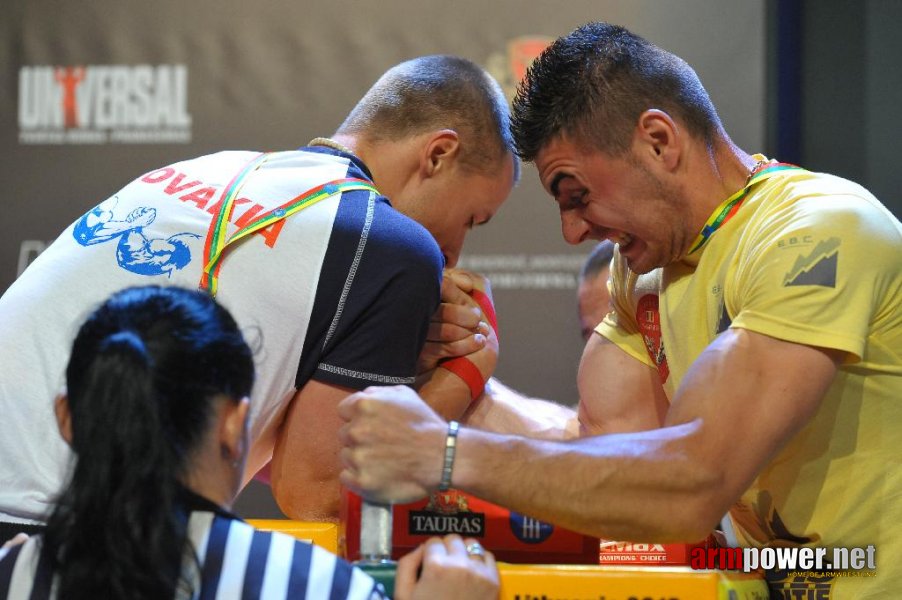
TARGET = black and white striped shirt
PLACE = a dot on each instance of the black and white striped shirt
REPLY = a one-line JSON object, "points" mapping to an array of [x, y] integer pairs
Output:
{"points": [[236, 561]]}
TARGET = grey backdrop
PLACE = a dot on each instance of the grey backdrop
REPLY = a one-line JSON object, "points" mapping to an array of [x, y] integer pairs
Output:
{"points": [[271, 75]]}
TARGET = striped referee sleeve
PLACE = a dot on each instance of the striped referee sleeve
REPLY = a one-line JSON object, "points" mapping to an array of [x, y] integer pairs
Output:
{"points": [[29, 573], [241, 563]]}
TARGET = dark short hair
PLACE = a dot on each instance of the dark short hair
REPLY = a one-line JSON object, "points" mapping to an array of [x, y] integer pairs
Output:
{"points": [[598, 259], [592, 84], [436, 92]]}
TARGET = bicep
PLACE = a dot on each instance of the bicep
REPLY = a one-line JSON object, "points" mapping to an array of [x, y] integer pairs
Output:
{"points": [[305, 463], [617, 393], [749, 394]]}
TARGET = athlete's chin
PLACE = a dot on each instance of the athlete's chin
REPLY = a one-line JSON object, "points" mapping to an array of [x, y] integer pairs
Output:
{"points": [[639, 268], [638, 257]]}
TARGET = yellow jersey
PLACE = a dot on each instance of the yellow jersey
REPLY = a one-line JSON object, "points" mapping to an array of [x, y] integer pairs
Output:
{"points": [[811, 259]]}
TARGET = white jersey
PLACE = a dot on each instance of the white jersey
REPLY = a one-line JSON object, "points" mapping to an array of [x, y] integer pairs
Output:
{"points": [[153, 232]]}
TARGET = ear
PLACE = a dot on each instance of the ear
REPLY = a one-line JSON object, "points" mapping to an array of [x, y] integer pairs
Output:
{"points": [[659, 137], [440, 152], [233, 428], [63, 417]]}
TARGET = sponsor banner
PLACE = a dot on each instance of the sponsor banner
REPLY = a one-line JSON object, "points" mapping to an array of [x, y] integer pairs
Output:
{"points": [[512, 537], [648, 555], [527, 271], [508, 67], [104, 104]]}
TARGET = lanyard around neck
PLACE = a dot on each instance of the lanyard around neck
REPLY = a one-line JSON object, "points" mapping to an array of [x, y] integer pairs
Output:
{"points": [[218, 241], [730, 206]]}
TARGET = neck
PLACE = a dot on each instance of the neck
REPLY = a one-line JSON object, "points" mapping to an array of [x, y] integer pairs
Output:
{"points": [[377, 158], [712, 174], [214, 477], [391, 162], [722, 171], [336, 142], [730, 171]]}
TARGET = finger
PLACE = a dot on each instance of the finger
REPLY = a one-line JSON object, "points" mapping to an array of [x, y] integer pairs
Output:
{"points": [[489, 559], [452, 294], [467, 317], [349, 479], [445, 332], [455, 545], [462, 279], [474, 549], [344, 435], [347, 408], [468, 345], [346, 456], [406, 575], [434, 551], [449, 332]]}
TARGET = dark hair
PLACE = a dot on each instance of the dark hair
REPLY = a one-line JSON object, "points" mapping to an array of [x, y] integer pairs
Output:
{"points": [[141, 382], [598, 259], [592, 84], [438, 91]]}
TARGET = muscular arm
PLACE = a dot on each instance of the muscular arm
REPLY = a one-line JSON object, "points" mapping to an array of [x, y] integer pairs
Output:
{"points": [[305, 465], [617, 393], [671, 483], [504, 410], [665, 484]]}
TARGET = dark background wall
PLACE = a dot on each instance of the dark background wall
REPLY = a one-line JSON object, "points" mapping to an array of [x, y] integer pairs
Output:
{"points": [[835, 89]]}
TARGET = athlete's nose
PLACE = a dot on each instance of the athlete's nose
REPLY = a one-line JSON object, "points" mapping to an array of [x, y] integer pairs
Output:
{"points": [[574, 227]]}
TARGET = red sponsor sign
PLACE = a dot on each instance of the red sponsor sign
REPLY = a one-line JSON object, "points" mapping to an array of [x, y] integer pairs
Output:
{"points": [[510, 536]]}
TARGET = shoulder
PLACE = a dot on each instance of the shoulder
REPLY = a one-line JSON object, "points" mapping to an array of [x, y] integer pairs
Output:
{"points": [[385, 237], [804, 199], [399, 235], [306, 568], [267, 564]]}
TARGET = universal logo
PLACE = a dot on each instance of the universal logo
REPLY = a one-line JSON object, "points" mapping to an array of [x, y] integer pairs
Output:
{"points": [[446, 512], [101, 104]]}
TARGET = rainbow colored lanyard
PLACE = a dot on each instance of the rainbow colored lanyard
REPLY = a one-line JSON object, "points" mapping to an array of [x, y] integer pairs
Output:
{"points": [[218, 240], [730, 206]]}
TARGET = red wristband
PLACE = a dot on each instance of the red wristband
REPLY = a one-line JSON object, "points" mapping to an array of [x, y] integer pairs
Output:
{"points": [[464, 368]]}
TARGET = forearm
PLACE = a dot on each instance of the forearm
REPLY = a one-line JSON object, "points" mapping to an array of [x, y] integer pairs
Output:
{"points": [[504, 410], [647, 486], [444, 392]]}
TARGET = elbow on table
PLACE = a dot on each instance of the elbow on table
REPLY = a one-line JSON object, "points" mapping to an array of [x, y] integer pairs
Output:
{"points": [[705, 504], [313, 501]]}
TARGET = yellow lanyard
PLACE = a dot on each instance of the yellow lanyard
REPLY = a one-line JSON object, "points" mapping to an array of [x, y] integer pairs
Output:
{"points": [[218, 241]]}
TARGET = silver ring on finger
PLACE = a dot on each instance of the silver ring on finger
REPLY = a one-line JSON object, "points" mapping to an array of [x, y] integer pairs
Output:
{"points": [[475, 550]]}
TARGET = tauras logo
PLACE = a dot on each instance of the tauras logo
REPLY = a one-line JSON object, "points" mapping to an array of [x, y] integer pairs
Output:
{"points": [[98, 104], [421, 522]]}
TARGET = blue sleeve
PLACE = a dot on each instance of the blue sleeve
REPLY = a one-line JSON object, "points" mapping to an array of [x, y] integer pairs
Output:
{"points": [[390, 276]]}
